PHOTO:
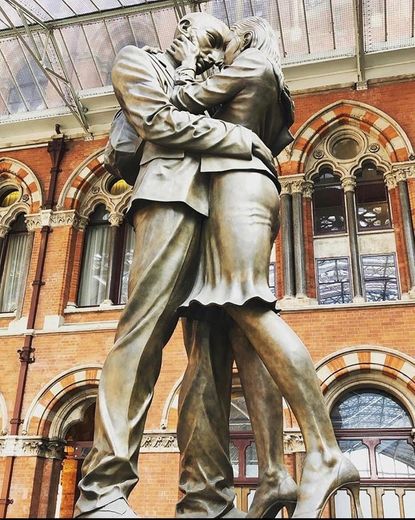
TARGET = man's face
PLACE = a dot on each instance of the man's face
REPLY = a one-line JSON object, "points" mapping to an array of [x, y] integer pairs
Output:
{"points": [[211, 46]]}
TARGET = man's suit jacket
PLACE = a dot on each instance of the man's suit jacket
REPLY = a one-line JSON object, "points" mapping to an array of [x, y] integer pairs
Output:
{"points": [[170, 165]]}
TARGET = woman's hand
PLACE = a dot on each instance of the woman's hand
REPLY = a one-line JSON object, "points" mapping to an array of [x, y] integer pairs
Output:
{"points": [[185, 51], [264, 153]]}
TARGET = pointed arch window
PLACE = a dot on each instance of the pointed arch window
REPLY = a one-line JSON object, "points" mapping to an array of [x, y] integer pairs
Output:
{"points": [[372, 203], [13, 265], [328, 203], [107, 257]]}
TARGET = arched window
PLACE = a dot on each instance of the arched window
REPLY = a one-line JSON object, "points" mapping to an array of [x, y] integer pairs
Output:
{"points": [[106, 262], [13, 260], [328, 203], [372, 205], [374, 430]]}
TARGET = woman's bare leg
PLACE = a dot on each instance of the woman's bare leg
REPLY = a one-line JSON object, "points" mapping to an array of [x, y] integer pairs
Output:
{"points": [[291, 367], [264, 402]]}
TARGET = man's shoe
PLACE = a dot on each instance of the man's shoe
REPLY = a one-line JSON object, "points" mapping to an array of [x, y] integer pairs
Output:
{"points": [[117, 509]]}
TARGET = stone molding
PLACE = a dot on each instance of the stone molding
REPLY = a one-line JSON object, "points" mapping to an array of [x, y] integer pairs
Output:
{"points": [[34, 446], [3, 230], [56, 219], [348, 183], [167, 442], [400, 172]]}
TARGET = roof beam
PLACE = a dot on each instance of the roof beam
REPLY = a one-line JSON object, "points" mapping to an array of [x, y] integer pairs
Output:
{"points": [[361, 83], [39, 53]]}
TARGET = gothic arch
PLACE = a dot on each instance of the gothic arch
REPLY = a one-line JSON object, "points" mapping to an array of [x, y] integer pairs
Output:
{"points": [[372, 121], [61, 401], [87, 187], [22, 177], [382, 365]]}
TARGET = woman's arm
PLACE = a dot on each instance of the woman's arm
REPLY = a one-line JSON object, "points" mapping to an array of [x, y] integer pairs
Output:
{"points": [[220, 88]]}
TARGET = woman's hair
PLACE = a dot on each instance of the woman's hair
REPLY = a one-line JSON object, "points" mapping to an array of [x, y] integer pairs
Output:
{"points": [[263, 37]]}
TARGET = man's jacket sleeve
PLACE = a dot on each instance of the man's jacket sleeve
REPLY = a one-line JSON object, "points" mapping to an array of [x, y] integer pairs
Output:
{"points": [[156, 119]]}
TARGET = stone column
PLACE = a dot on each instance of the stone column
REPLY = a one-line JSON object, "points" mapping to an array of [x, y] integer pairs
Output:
{"points": [[408, 228], [299, 250], [287, 241], [349, 184]]}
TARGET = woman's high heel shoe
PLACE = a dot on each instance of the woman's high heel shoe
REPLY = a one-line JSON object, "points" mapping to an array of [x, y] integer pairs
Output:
{"points": [[346, 477], [270, 498]]}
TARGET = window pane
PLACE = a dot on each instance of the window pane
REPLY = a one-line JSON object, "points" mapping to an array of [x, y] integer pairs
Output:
{"points": [[395, 459], [96, 265], [127, 261], [371, 199], [390, 502], [239, 419], [333, 280], [358, 453], [234, 455], [14, 271], [328, 204], [369, 409], [271, 277], [379, 278], [343, 504], [409, 503], [251, 461]]}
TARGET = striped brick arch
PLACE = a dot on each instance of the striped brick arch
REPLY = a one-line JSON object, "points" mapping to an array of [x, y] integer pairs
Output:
{"points": [[388, 362], [19, 173], [81, 181], [370, 120], [50, 400]]}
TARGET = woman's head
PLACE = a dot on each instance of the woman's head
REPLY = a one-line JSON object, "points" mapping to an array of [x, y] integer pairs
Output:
{"points": [[254, 32]]}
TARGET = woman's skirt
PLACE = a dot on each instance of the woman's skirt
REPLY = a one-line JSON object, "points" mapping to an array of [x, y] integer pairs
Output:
{"points": [[236, 242]]}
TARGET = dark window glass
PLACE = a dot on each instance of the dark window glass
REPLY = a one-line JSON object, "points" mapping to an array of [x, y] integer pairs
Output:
{"points": [[333, 281], [328, 204], [379, 278], [345, 148], [372, 204], [369, 409]]}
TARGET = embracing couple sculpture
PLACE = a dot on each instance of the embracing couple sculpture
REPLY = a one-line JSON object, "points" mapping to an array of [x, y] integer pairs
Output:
{"points": [[205, 209]]}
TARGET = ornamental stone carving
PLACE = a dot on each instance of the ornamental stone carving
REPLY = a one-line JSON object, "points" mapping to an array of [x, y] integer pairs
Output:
{"points": [[22, 446], [297, 186], [293, 442], [3, 230], [390, 180], [308, 188], [348, 183], [116, 219]]}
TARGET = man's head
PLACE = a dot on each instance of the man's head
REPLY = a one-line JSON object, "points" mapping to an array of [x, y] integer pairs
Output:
{"points": [[210, 34]]}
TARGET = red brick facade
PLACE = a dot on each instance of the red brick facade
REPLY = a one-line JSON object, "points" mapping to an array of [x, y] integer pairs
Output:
{"points": [[71, 344]]}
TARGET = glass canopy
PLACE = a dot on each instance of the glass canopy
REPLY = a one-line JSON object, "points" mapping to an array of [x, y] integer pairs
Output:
{"points": [[68, 46]]}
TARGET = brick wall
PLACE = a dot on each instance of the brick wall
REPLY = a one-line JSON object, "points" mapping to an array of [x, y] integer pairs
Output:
{"points": [[324, 331]]}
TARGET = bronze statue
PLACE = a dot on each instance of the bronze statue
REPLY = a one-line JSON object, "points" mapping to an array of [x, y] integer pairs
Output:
{"points": [[236, 244], [169, 203]]}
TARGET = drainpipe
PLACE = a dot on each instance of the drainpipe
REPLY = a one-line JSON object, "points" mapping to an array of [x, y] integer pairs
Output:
{"points": [[56, 150]]}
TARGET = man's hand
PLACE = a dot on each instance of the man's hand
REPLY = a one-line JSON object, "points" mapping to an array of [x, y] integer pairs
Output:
{"points": [[185, 51], [264, 153]]}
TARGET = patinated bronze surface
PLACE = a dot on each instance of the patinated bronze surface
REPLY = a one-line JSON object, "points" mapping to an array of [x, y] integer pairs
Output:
{"points": [[205, 213], [170, 200]]}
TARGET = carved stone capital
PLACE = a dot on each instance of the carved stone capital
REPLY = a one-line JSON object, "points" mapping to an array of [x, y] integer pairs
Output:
{"points": [[308, 188], [159, 442], [285, 187], [297, 186], [3, 230], [348, 183], [116, 219], [401, 174], [69, 218], [293, 442], [390, 180], [25, 446], [33, 221]]}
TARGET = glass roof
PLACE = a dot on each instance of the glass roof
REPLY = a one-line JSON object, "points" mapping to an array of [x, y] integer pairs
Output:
{"points": [[87, 34]]}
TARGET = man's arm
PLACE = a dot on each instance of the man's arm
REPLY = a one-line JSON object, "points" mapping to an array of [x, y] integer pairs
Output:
{"points": [[156, 119]]}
